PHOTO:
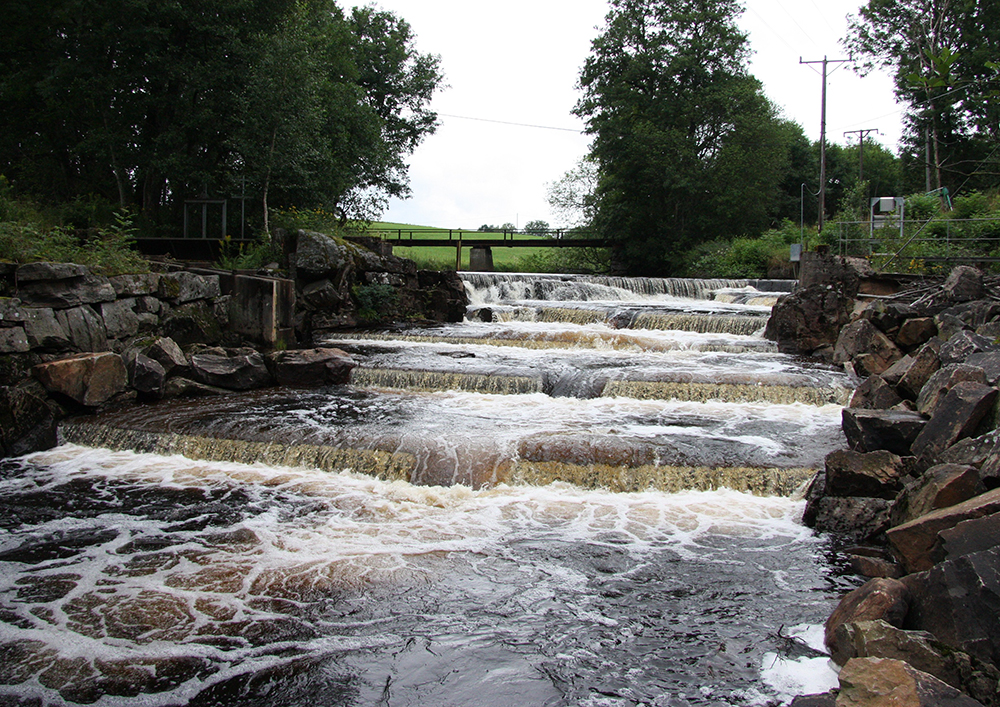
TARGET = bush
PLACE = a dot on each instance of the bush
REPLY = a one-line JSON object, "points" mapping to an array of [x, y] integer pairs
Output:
{"points": [[252, 257], [375, 302]]}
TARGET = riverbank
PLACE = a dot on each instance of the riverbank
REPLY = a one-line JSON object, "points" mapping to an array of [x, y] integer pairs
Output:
{"points": [[918, 490]]}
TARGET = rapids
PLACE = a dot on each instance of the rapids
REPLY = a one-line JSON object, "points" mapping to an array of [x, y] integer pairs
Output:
{"points": [[566, 500]]}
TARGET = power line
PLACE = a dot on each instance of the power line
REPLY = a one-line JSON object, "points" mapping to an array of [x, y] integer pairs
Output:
{"points": [[507, 122]]}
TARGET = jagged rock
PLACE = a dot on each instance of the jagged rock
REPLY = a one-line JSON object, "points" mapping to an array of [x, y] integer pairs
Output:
{"points": [[135, 284], [959, 602], [948, 325], [181, 287], [876, 474], [318, 255], [939, 487], [972, 451], [60, 293], [963, 284], [894, 373], [44, 331], [967, 538], [916, 332], [324, 295], [26, 423], [888, 317], [168, 354], [922, 366], [823, 269], [920, 649], [46, 272], [120, 319], [877, 599], [11, 312], [240, 372], [192, 323], [871, 682], [964, 344], [861, 342], [875, 394], [823, 699], [445, 295], [312, 367], [957, 416], [914, 541], [13, 340], [180, 387], [874, 567], [808, 319], [88, 378], [848, 516], [872, 430], [84, 328], [974, 314], [146, 375], [990, 363], [942, 381]]}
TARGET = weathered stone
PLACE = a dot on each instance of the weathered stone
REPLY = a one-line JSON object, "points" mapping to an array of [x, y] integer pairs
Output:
{"points": [[855, 517], [963, 284], [181, 287], [957, 416], [318, 255], [975, 313], [823, 699], [948, 325], [874, 394], [26, 423], [939, 487], [876, 682], [324, 295], [84, 328], [168, 354], [192, 323], [36, 272], [991, 330], [922, 366], [146, 375], [312, 367], [808, 319], [888, 316], [240, 372], [862, 338], [973, 451], [135, 284], [920, 649], [11, 312], [63, 293], [820, 268], [942, 381], [967, 538], [180, 387], [874, 567], [88, 378], [959, 602], [962, 345], [13, 340], [877, 474], [444, 295], [44, 332], [120, 319], [872, 430], [916, 332], [914, 541], [877, 599], [148, 305], [894, 373], [989, 362]]}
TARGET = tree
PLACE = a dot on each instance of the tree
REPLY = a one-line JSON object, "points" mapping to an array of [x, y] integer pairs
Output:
{"points": [[941, 53], [687, 146], [573, 197], [537, 227]]}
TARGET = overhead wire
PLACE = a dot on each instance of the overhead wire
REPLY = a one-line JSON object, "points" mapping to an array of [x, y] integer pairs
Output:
{"points": [[508, 122]]}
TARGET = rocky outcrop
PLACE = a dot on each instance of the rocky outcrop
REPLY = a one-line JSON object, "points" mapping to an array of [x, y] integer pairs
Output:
{"points": [[808, 321]]}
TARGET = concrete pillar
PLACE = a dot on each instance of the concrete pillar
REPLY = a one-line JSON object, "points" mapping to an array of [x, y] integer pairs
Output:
{"points": [[481, 259]]}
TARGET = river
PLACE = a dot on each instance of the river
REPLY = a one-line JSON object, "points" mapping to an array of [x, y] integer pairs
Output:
{"points": [[583, 495]]}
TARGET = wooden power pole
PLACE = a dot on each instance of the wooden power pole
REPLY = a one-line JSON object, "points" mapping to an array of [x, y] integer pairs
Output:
{"points": [[822, 137]]}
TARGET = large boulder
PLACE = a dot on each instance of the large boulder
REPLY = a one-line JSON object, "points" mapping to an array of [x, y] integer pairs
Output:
{"points": [[877, 599], [877, 474], [135, 285], [964, 283], [61, 285], [120, 319], [959, 602], [180, 287], [43, 330], [875, 394], [243, 371], [856, 517], [920, 367], [146, 375], [888, 317], [84, 328], [989, 361], [957, 416], [192, 323], [808, 319], [90, 379], [871, 350], [963, 344], [872, 430], [27, 424], [914, 542], [311, 367], [168, 354], [319, 256], [942, 381], [920, 649], [940, 486], [916, 332], [877, 682]]}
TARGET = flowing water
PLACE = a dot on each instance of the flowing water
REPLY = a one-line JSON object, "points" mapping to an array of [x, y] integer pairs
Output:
{"points": [[583, 495]]}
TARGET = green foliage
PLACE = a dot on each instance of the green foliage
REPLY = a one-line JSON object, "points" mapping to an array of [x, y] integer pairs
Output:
{"points": [[317, 219], [375, 302], [745, 257], [563, 260], [246, 257]]}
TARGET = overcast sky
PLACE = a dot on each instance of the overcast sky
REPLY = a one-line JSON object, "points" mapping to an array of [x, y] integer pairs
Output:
{"points": [[517, 62]]}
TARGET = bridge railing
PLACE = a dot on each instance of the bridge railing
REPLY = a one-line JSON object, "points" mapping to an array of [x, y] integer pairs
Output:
{"points": [[461, 234]]}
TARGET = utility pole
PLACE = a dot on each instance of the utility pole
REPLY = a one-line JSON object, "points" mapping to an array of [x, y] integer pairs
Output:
{"points": [[822, 137], [862, 134]]}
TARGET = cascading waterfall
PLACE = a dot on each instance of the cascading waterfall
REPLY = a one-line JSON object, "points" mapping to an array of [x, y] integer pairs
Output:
{"points": [[583, 495]]}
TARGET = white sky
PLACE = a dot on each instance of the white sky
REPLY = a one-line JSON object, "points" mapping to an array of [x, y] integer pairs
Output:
{"points": [[518, 61]]}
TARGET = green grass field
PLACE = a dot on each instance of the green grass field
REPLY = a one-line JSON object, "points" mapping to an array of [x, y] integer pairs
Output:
{"points": [[443, 257]]}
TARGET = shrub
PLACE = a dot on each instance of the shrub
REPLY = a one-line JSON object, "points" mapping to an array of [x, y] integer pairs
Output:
{"points": [[375, 302]]}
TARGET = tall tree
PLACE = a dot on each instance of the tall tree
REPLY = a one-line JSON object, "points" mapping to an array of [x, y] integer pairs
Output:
{"points": [[687, 146]]}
